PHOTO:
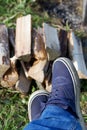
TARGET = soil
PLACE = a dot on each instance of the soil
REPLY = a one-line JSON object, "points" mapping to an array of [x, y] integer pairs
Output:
{"points": [[67, 10]]}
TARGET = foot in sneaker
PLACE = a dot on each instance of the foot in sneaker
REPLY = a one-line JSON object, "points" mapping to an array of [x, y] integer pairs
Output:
{"points": [[66, 88], [65, 92], [36, 104]]}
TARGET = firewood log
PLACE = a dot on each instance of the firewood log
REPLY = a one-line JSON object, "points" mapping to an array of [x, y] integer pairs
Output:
{"points": [[76, 53], [40, 31], [84, 15], [39, 85], [48, 77], [84, 47], [51, 40], [46, 69], [48, 83], [63, 43], [23, 38], [23, 84], [47, 80], [11, 76], [11, 36], [24, 68], [36, 71], [38, 46], [4, 50], [11, 33]]}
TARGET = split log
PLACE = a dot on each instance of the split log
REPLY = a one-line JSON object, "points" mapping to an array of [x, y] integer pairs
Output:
{"points": [[11, 33], [48, 78], [23, 84], [63, 43], [4, 50], [40, 31], [39, 85], [84, 12], [38, 46], [23, 38], [11, 76], [24, 68], [84, 46], [77, 57], [48, 75], [52, 44], [36, 71], [11, 36], [46, 69], [48, 84]]}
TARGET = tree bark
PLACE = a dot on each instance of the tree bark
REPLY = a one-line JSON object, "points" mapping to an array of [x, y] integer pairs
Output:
{"points": [[23, 84], [85, 12], [38, 46], [4, 50], [11, 36], [11, 76]]}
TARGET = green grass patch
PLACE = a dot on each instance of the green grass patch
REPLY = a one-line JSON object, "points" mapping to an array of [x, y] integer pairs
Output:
{"points": [[10, 10], [13, 110]]}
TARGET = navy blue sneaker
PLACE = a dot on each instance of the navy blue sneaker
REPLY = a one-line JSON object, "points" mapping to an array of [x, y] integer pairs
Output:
{"points": [[66, 88], [65, 92], [36, 104]]}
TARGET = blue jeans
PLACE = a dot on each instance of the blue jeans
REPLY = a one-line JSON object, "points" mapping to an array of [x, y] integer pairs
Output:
{"points": [[54, 118]]}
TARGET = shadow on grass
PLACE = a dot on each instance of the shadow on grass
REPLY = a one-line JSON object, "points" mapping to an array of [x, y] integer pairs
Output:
{"points": [[83, 85]]}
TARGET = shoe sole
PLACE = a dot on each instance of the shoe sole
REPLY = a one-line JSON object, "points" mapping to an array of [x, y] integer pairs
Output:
{"points": [[32, 97], [76, 84]]}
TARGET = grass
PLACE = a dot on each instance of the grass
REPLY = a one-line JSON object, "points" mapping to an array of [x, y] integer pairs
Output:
{"points": [[17, 8], [13, 110]]}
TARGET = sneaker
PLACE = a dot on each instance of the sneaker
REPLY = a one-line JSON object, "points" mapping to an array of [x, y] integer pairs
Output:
{"points": [[66, 87], [36, 104]]}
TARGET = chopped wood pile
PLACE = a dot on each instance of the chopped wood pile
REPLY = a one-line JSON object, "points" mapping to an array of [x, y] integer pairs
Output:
{"points": [[27, 54]]}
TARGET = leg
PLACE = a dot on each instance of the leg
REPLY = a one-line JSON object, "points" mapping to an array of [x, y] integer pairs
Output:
{"points": [[62, 107]]}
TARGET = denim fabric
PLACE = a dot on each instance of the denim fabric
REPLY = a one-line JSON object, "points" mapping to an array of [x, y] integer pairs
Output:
{"points": [[54, 118]]}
